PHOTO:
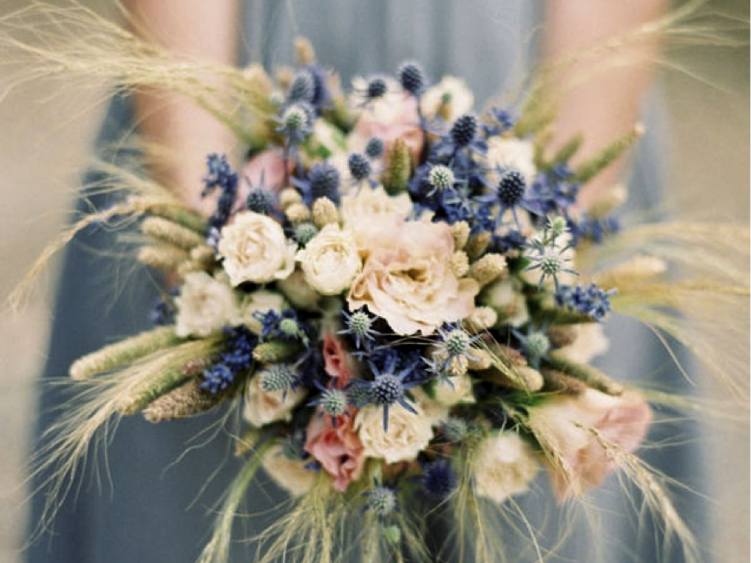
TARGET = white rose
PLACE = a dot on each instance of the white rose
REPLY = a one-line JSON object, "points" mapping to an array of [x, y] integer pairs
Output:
{"points": [[408, 433], [503, 466], [262, 407], [290, 474], [299, 293], [255, 249], [461, 99], [330, 261], [262, 301], [205, 305], [513, 154], [590, 341], [434, 411]]}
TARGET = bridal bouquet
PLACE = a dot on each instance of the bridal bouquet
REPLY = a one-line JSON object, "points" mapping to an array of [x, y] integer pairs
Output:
{"points": [[388, 291], [402, 299]]}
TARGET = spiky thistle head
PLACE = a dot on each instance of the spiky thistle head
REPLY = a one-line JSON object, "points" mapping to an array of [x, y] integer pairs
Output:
{"points": [[411, 76]]}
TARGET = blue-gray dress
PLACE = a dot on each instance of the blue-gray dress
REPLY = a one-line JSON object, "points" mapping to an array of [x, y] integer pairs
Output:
{"points": [[149, 504]]}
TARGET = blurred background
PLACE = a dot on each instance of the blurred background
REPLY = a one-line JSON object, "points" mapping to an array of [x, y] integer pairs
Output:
{"points": [[47, 128]]}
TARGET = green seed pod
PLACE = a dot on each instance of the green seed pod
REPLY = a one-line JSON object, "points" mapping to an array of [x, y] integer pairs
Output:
{"points": [[396, 176]]}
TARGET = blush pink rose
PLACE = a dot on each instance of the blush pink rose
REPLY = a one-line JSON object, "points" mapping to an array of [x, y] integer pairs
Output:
{"points": [[407, 278], [338, 450], [337, 362], [391, 118], [578, 460]]}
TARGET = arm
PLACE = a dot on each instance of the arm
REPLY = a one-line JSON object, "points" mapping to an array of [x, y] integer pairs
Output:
{"points": [[200, 29], [606, 105]]}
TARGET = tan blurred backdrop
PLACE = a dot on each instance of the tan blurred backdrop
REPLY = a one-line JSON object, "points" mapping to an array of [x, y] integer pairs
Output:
{"points": [[47, 129]]}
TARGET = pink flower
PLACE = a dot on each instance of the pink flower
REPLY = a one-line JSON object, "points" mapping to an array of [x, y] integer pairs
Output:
{"points": [[337, 360], [577, 459], [338, 450], [390, 118], [408, 280]]}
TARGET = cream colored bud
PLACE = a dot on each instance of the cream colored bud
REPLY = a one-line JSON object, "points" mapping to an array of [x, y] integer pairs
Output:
{"points": [[531, 378], [480, 359], [460, 233], [289, 196], [298, 213], [478, 244], [324, 212], [304, 51], [488, 268], [460, 263], [482, 318], [284, 75], [203, 253], [458, 366]]}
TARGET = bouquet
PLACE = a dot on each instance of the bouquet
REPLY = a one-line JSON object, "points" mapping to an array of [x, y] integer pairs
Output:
{"points": [[401, 298]]}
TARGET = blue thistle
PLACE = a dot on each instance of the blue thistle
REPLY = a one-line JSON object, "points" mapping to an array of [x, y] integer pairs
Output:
{"points": [[463, 130], [260, 200], [334, 402], [510, 191], [284, 325], [302, 88], [359, 327], [304, 232], [296, 123], [438, 479], [501, 121], [374, 148], [388, 387], [381, 499], [360, 168], [278, 377], [323, 181], [411, 77], [535, 345]]}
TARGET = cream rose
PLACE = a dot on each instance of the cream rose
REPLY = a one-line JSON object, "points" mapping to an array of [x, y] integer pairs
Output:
{"points": [[290, 474], [330, 261], [564, 426], [408, 280], [204, 306], [455, 390], [262, 407], [255, 249], [513, 154], [503, 466], [261, 301], [365, 212], [460, 97], [408, 433]]}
